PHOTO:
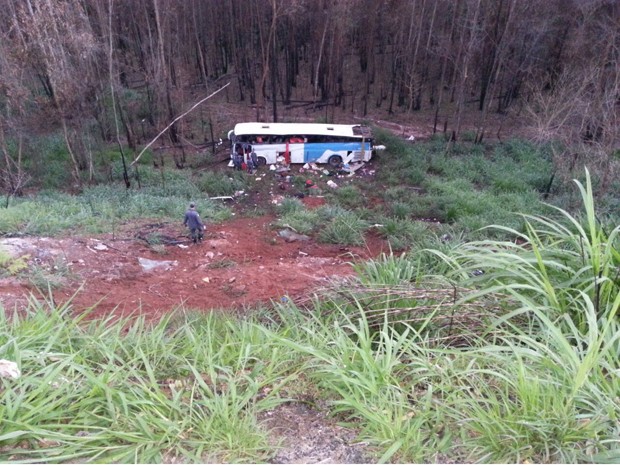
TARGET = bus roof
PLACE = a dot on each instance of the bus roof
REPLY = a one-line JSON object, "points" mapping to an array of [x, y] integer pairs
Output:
{"points": [[301, 129]]}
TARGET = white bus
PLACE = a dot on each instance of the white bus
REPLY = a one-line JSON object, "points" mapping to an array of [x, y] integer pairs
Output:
{"points": [[334, 144]]}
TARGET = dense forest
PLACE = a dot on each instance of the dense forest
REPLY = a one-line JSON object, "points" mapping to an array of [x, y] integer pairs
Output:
{"points": [[120, 71]]}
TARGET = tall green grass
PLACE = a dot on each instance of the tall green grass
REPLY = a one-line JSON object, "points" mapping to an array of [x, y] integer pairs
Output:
{"points": [[331, 223], [561, 292], [188, 388], [469, 187], [509, 353], [538, 382], [102, 208], [521, 384], [565, 264]]}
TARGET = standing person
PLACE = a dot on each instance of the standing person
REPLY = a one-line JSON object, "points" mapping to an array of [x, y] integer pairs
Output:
{"points": [[238, 158], [250, 163], [254, 159], [194, 223]]}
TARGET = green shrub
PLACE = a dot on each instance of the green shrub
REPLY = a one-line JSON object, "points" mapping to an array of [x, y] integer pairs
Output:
{"points": [[348, 196], [468, 136], [401, 210], [216, 184], [12, 265], [402, 234], [303, 221], [99, 209], [346, 228], [290, 205], [388, 269], [396, 194]]}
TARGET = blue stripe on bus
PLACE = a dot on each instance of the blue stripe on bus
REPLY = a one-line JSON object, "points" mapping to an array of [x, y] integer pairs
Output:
{"points": [[314, 151]]}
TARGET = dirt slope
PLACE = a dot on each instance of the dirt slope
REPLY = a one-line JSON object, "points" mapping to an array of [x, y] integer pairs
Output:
{"points": [[240, 263]]}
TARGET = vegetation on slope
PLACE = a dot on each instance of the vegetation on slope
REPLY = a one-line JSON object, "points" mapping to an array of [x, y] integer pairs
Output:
{"points": [[515, 363]]}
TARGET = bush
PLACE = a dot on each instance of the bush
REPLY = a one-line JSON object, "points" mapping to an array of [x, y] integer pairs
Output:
{"points": [[388, 269], [216, 184], [402, 234], [302, 220], [348, 196], [346, 228], [290, 205], [396, 194], [98, 209], [401, 210]]}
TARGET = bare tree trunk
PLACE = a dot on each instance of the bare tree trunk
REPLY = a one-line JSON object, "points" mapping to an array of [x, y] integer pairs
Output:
{"points": [[113, 93], [444, 66], [411, 87], [491, 83], [318, 61], [76, 166], [267, 51], [274, 79], [199, 51], [464, 75]]}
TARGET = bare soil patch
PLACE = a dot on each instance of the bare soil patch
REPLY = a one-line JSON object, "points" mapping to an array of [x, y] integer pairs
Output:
{"points": [[307, 435], [240, 264]]}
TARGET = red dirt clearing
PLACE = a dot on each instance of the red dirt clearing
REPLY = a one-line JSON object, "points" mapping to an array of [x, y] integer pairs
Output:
{"points": [[241, 263]]}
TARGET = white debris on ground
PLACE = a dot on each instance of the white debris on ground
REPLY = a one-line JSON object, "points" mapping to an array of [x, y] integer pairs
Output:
{"points": [[9, 369], [290, 236], [148, 265]]}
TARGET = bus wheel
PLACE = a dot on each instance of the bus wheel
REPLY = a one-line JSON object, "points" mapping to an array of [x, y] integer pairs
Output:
{"points": [[262, 161], [334, 161]]}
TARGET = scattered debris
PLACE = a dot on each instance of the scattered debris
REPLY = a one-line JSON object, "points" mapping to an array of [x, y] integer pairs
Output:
{"points": [[59, 382], [354, 167], [277, 200], [100, 246], [218, 243], [148, 265], [9, 369], [308, 435], [290, 236]]}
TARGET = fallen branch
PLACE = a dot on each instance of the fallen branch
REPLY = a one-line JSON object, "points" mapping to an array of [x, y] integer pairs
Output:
{"points": [[174, 121]]}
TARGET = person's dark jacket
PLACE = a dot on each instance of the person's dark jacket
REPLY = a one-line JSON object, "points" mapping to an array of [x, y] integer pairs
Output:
{"points": [[192, 219]]}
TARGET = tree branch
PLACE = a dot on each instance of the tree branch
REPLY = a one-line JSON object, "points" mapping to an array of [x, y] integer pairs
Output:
{"points": [[174, 121]]}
